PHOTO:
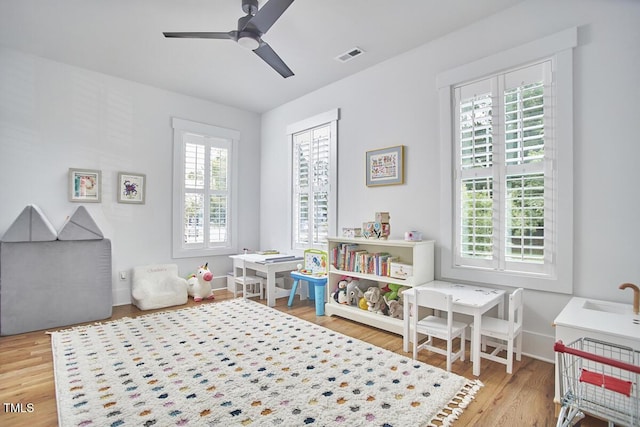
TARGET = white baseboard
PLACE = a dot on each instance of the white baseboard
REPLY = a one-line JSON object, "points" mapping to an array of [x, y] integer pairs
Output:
{"points": [[538, 346], [219, 283], [121, 296]]}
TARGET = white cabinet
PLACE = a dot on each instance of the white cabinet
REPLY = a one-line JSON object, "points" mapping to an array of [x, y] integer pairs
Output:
{"points": [[419, 255]]}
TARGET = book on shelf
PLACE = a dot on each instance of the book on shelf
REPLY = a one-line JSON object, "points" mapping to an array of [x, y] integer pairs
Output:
{"points": [[350, 257], [341, 255]]}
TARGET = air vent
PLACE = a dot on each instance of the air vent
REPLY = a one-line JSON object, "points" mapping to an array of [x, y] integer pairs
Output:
{"points": [[350, 54]]}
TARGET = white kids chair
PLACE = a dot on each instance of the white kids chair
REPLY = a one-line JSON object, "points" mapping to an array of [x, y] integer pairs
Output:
{"points": [[504, 334], [252, 286], [436, 327]]}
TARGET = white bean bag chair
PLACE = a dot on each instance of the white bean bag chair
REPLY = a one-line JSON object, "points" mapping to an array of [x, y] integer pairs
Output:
{"points": [[157, 286]]}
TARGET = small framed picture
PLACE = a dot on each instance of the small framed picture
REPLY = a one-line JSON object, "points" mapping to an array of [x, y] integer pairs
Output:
{"points": [[85, 185], [385, 166], [131, 187]]}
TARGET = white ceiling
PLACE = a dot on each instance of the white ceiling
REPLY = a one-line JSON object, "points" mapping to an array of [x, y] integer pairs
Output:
{"points": [[123, 38]]}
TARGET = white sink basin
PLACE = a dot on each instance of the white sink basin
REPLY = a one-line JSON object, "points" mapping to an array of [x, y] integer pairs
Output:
{"points": [[607, 308], [602, 320]]}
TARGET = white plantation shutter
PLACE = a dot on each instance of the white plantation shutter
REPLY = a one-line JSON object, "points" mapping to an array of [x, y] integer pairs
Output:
{"points": [[206, 166], [202, 184], [218, 193], [301, 187], [504, 184], [476, 229], [476, 131], [314, 151], [475, 172], [194, 158], [311, 185], [525, 230], [321, 154]]}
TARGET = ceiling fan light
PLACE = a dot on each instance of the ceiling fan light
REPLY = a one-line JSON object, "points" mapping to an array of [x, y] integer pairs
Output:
{"points": [[248, 42]]}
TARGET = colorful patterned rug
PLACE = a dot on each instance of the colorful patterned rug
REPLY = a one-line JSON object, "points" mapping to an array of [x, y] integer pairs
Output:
{"points": [[238, 363]]}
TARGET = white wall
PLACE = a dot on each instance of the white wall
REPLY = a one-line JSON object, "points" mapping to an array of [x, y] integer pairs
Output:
{"points": [[396, 102], [54, 116]]}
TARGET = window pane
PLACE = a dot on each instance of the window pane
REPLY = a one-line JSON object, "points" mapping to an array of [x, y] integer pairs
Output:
{"points": [[302, 158], [217, 219], [218, 169], [321, 217], [525, 218], [194, 166], [320, 157], [302, 215], [193, 218], [524, 124], [476, 132], [477, 218]]}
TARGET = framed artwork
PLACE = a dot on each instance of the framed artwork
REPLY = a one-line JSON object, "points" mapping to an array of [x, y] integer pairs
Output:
{"points": [[131, 187], [85, 185], [385, 166]]}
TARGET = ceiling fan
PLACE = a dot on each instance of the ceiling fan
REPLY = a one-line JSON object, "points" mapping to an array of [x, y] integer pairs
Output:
{"points": [[250, 30]]}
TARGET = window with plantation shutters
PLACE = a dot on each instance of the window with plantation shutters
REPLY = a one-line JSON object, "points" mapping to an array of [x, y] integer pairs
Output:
{"points": [[507, 168], [203, 189], [311, 185], [313, 160], [501, 139]]}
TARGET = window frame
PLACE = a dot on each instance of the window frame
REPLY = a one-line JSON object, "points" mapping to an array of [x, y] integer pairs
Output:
{"points": [[230, 139], [557, 47], [329, 118]]}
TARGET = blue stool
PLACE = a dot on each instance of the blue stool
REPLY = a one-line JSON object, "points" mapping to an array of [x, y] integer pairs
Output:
{"points": [[316, 289]]}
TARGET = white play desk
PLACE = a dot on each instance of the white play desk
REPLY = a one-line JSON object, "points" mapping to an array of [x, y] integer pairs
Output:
{"points": [[269, 265]]}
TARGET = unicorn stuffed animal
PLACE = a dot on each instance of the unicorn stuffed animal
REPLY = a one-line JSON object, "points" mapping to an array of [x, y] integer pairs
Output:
{"points": [[199, 284]]}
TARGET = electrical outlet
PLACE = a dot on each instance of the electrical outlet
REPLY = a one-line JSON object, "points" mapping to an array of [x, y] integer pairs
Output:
{"points": [[123, 275]]}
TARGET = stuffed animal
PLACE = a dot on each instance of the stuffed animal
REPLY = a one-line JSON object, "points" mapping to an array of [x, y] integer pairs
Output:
{"points": [[355, 291], [374, 299], [199, 284], [340, 294], [354, 296], [394, 291], [363, 303], [395, 308]]}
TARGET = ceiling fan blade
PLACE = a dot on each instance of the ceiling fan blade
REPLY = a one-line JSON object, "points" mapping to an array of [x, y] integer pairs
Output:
{"points": [[268, 15], [231, 35], [269, 56]]}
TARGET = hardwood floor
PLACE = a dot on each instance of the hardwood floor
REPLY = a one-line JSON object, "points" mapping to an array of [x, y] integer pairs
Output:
{"points": [[525, 398]]}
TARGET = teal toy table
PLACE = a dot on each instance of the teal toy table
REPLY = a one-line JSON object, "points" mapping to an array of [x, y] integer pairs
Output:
{"points": [[317, 286]]}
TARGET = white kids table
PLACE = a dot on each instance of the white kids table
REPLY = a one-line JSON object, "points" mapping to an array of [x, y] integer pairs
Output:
{"points": [[467, 299]]}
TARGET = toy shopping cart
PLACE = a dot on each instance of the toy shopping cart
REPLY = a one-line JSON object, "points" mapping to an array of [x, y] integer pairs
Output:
{"points": [[598, 378]]}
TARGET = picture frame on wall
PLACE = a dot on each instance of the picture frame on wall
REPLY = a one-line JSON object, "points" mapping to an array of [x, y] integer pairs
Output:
{"points": [[85, 185], [131, 187], [385, 166]]}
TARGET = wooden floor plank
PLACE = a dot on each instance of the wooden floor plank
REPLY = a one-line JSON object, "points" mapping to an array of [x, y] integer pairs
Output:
{"points": [[522, 399]]}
